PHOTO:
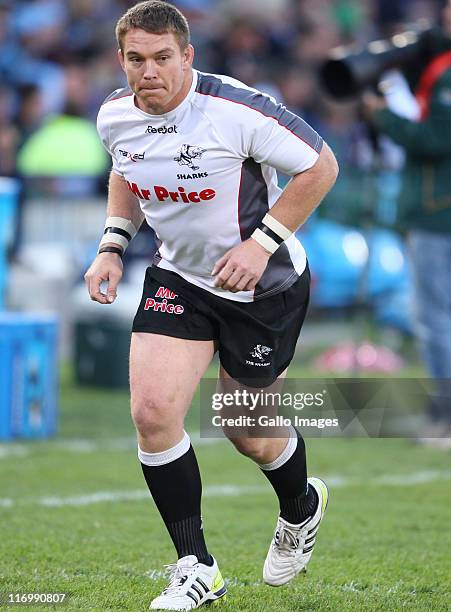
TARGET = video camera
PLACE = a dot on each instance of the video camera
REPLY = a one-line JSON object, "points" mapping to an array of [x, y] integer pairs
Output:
{"points": [[349, 71]]}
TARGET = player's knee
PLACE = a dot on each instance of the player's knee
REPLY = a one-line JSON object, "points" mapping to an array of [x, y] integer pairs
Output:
{"points": [[254, 448], [150, 417]]}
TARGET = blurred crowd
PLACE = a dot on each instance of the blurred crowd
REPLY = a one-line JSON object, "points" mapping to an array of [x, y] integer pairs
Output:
{"points": [[58, 62]]}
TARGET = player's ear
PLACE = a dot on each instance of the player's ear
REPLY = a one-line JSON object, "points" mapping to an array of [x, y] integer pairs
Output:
{"points": [[188, 56], [120, 56]]}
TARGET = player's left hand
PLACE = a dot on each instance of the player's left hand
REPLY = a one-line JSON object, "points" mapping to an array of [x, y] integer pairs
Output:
{"points": [[241, 268]]}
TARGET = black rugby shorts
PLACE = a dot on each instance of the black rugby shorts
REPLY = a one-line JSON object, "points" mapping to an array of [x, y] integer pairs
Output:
{"points": [[256, 340]]}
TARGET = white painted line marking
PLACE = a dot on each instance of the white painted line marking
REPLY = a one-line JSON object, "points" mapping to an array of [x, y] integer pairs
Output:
{"points": [[228, 490], [85, 446], [13, 450]]}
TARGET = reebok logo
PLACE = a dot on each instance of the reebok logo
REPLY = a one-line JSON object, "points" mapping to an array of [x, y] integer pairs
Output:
{"points": [[164, 306], [172, 129]]}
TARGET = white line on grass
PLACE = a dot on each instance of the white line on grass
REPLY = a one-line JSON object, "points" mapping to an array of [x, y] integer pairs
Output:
{"points": [[13, 450], [85, 445], [228, 490], [413, 479], [82, 445], [118, 496]]}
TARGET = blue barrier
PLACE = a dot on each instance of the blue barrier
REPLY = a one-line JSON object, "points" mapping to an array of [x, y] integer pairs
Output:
{"points": [[9, 194], [338, 255], [28, 375]]}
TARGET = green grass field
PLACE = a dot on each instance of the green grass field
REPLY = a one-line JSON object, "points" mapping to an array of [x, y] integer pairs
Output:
{"points": [[75, 519]]}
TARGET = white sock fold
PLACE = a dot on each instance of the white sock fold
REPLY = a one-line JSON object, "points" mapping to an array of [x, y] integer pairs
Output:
{"points": [[284, 455], [167, 456]]}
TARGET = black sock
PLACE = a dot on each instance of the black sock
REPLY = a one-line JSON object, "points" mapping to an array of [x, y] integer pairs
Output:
{"points": [[177, 489], [297, 500]]}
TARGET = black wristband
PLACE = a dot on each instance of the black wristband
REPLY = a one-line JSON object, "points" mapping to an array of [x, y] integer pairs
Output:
{"points": [[111, 249], [118, 230], [269, 232]]}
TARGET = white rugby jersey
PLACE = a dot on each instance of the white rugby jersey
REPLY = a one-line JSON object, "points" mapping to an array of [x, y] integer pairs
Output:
{"points": [[205, 174]]}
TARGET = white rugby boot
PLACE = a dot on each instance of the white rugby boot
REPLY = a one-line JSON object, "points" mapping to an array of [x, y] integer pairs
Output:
{"points": [[292, 545], [191, 585]]}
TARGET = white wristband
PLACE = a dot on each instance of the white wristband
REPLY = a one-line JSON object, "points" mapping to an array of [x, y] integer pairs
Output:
{"points": [[276, 227], [265, 241], [122, 223], [118, 230], [113, 238]]}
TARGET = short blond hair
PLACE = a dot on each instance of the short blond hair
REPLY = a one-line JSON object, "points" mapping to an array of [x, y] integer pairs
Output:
{"points": [[155, 17]]}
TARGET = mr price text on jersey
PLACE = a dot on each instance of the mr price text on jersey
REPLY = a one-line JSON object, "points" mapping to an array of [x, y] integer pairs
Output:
{"points": [[164, 195]]}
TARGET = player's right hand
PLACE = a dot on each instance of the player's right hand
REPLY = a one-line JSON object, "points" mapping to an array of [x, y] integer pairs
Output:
{"points": [[106, 267]]}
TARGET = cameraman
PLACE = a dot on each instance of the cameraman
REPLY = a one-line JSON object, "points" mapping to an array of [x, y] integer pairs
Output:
{"points": [[425, 213]]}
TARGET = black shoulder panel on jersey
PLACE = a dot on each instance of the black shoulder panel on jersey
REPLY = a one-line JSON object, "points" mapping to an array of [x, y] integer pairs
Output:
{"points": [[252, 207], [252, 198], [210, 85], [123, 92]]}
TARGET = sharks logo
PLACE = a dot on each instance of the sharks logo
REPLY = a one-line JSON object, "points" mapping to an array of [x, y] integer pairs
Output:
{"points": [[260, 352], [187, 153]]}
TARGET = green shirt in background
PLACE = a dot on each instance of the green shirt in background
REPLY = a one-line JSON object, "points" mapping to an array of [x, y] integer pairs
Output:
{"points": [[64, 146], [425, 199]]}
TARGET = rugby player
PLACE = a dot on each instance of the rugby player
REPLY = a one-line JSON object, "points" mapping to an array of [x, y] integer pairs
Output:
{"points": [[196, 156]]}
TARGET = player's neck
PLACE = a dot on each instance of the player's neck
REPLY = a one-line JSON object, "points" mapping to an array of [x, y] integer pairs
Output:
{"points": [[174, 103]]}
